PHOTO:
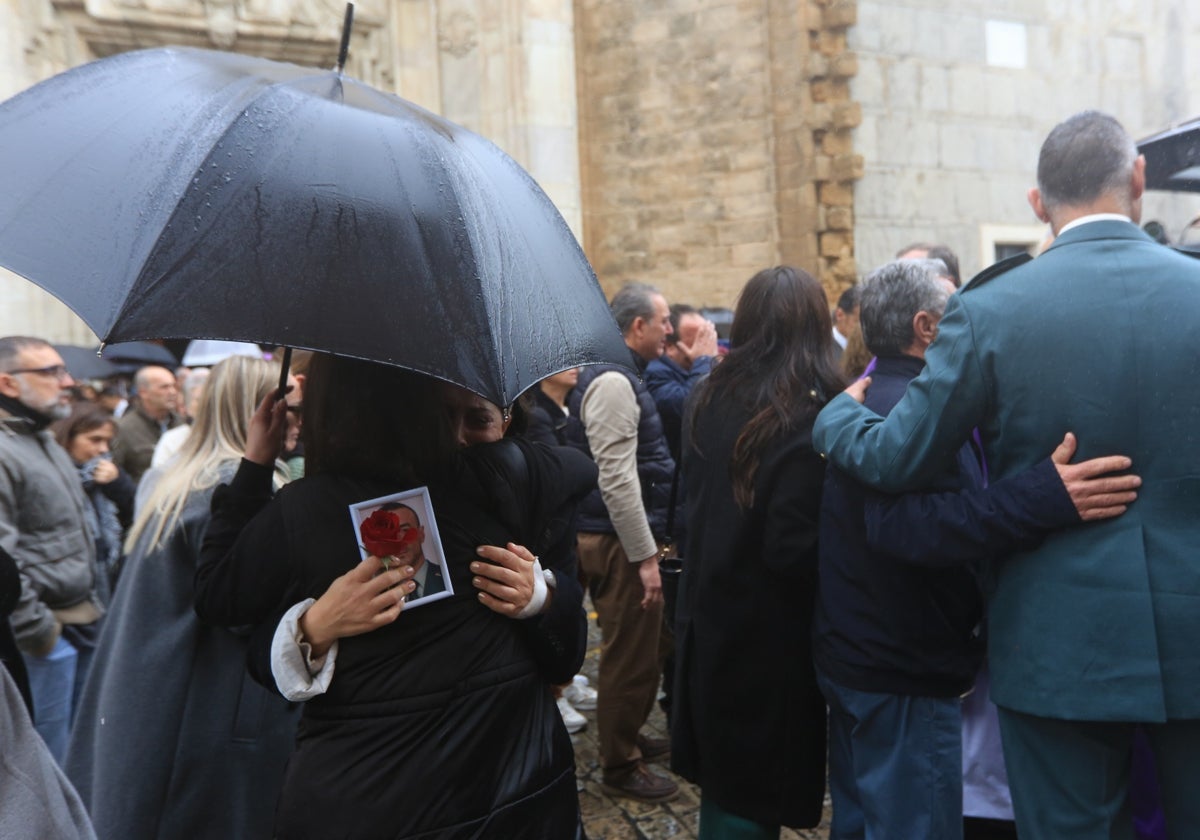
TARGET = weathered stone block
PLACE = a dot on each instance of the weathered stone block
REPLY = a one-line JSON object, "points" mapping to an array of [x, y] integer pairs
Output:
{"points": [[839, 218], [846, 115], [707, 257], [843, 66], [837, 143], [736, 231], [836, 244], [829, 43], [840, 195], [650, 30], [840, 14], [846, 168], [753, 255]]}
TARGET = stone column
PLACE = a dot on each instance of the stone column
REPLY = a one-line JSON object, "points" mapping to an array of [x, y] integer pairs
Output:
{"points": [[507, 71]]}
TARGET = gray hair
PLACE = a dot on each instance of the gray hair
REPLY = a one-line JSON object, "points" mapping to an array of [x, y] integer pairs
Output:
{"points": [[892, 295], [633, 301], [13, 345], [1085, 157]]}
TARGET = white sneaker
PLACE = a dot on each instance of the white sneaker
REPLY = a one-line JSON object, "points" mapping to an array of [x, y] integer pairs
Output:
{"points": [[581, 695], [573, 720]]}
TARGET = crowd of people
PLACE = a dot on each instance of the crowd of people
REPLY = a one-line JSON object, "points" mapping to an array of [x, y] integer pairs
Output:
{"points": [[935, 544]]}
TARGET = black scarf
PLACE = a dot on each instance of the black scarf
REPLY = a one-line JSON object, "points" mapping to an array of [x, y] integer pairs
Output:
{"points": [[36, 419]]}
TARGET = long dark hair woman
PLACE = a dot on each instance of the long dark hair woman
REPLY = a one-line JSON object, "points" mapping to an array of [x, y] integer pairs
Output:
{"points": [[439, 723], [749, 722]]}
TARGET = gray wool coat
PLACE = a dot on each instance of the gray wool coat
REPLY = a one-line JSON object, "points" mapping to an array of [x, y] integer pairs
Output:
{"points": [[172, 738], [36, 800]]}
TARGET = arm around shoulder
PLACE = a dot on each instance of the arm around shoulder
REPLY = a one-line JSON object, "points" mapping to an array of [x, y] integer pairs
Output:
{"points": [[922, 434]]}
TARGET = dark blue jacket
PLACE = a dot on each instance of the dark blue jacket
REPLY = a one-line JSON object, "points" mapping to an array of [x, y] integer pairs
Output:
{"points": [[670, 385], [898, 603], [654, 463]]}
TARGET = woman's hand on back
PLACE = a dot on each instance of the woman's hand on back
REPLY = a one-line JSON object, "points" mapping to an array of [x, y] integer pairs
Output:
{"points": [[506, 584]]}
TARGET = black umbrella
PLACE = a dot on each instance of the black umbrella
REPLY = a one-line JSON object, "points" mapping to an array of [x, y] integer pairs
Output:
{"points": [[181, 193], [128, 356], [1173, 158], [83, 363]]}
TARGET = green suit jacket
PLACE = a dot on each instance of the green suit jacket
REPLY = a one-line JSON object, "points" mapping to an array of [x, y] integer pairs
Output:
{"points": [[1099, 336]]}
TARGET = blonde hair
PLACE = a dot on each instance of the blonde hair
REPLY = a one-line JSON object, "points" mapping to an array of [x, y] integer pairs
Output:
{"points": [[230, 395]]}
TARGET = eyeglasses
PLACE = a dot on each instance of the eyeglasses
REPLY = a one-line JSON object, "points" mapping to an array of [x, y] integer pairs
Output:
{"points": [[59, 372]]}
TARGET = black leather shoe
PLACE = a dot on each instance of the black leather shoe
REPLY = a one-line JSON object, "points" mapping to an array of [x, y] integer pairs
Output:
{"points": [[654, 749], [640, 784]]}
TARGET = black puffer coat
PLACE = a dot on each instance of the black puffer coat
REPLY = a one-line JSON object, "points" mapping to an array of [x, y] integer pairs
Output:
{"points": [[440, 724]]}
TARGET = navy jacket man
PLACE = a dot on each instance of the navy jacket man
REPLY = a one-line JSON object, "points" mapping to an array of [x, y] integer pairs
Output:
{"points": [[896, 636]]}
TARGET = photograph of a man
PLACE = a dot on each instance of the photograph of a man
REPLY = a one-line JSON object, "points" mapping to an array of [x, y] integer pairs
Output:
{"points": [[428, 576], [401, 530]]}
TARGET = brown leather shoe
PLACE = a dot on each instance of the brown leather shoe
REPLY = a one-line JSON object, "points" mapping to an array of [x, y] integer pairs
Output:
{"points": [[654, 749], [642, 785]]}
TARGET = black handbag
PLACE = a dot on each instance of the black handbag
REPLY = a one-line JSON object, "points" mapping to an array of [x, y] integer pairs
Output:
{"points": [[670, 566]]}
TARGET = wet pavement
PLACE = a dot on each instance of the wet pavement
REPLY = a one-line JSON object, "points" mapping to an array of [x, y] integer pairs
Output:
{"points": [[613, 818]]}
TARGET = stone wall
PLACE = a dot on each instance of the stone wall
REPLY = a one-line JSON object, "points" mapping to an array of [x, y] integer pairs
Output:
{"points": [[715, 141], [957, 98]]}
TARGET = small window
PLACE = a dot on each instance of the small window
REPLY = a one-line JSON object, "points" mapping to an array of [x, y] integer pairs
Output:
{"points": [[999, 242], [1004, 250]]}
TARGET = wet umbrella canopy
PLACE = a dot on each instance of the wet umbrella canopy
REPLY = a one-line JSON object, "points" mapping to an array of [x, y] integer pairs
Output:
{"points": [[180, 193]]}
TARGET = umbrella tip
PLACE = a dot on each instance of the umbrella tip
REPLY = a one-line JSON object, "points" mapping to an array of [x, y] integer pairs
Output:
{"points": [[347, 25]]}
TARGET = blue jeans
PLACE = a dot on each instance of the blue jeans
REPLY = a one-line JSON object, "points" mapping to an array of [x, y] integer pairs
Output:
{"points": [[895, 765], [52, 683]]}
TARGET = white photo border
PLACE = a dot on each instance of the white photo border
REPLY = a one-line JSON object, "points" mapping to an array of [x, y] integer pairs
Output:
{"points": [[431, 547]]}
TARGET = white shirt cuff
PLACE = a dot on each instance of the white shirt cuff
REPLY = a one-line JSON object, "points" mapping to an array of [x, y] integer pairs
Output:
{"points": [[539, 593], [297, 674]]}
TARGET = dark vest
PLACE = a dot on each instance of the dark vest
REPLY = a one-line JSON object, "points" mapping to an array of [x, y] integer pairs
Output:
{"points": [[654, 464]]}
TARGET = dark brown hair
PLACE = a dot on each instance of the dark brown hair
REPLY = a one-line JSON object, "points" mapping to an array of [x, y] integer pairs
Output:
{"points": [[780, 366], [369, 420], [83, 418]]}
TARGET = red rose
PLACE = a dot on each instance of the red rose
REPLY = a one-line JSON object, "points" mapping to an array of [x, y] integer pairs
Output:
{"points": [[382, 535]]}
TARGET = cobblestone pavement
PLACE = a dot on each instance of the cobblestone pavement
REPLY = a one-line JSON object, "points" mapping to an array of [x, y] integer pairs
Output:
{"points": [[613, 818]]}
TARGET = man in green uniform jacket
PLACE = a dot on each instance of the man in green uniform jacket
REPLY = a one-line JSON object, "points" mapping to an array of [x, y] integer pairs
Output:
{"points": [[1098, 628]]}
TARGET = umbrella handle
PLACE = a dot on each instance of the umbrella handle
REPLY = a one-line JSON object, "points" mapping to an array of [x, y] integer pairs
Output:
{"points": [[284, 364], [347, 25]]}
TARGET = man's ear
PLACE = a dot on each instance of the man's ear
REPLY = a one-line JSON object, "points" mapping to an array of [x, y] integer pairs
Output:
{"points": [[638, 326], [925, 327], [1035, 201], [9, 387], [1138, 184]]}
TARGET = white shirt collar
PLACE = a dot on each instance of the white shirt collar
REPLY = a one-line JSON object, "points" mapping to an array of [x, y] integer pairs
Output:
{"points": [[839, 338], [1094, 217]]}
